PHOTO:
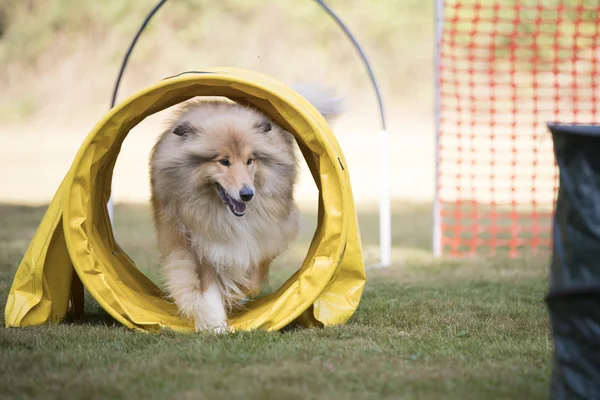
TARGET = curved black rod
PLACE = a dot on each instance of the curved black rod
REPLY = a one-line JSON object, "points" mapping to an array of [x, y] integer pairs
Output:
{"points": [[323, 6], [344, 28], [131, 46]]}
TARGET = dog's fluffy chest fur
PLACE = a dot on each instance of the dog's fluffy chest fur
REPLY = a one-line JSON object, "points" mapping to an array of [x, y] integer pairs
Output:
{"points": [[232, 245]]}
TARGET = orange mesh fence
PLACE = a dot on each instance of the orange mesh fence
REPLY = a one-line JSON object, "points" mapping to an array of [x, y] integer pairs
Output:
{"points": [[505, 69]]}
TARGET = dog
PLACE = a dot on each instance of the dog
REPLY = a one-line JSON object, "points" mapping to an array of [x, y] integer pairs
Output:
{"points": [[222, 178]]}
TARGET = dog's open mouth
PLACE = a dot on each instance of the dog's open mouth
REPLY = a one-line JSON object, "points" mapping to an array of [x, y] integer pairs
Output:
{"points": [[236, 207]]}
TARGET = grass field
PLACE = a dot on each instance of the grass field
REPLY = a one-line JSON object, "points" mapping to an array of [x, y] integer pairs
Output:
{"points": [[425, 329]]}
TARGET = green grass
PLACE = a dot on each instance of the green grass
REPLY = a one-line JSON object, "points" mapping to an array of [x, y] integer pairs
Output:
{"points": [[425, 329]]}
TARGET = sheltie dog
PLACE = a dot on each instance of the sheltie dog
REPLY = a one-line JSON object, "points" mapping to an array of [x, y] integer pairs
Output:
{"points": [[222, 179]]}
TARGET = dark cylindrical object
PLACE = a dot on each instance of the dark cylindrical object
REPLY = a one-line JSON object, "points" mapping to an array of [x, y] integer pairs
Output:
{"points": [[574, 295]]}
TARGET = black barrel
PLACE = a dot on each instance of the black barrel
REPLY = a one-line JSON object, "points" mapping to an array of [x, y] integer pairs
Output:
{"points": [[573, 297]]}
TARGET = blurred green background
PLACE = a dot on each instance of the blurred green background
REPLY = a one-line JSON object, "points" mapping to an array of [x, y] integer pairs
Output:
{"points": [[72, 49]]}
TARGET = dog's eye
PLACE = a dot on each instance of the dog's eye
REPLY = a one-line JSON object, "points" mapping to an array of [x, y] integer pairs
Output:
{"points": [[250, 161], [224, 162]]}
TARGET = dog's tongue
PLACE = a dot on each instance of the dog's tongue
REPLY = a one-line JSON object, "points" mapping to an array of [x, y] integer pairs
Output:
{"points": [[236, 207]]}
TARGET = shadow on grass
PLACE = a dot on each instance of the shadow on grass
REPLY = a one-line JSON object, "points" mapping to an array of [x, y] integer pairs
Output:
{"points": [[93, 314], [95, 317]]}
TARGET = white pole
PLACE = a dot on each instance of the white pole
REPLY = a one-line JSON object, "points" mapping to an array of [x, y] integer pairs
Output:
{"points": [[385, 212], [437, 223]]}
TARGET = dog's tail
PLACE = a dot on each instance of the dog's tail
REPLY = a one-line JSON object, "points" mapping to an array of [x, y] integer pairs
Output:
{"points": [[329, 105]]}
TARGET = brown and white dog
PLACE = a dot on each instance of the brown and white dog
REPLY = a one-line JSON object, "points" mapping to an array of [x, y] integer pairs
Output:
{"points": [[222, 182]]}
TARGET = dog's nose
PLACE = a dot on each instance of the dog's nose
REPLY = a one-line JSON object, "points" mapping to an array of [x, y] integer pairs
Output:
{"points": [[246, 193]]}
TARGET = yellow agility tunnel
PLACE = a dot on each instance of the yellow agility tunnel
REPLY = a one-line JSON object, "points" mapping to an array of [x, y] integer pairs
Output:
{"points": [[74, 246]]}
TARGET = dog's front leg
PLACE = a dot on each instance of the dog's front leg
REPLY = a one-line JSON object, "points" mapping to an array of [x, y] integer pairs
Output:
{"points": [[258, 277], [195, 292]]}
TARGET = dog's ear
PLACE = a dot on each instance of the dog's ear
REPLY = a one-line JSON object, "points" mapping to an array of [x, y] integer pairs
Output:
{"points": [[264, 126], [183, 129]]}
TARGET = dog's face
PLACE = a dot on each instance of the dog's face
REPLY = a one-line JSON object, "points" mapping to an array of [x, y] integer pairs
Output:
{"points": [[231, 152], [234, 176]]}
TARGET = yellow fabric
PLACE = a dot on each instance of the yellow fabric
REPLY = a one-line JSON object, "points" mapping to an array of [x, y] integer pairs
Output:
{"points": [[75, 235]]}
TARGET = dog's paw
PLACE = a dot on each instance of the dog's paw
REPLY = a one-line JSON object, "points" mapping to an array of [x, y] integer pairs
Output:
{"points": [[217, 328], [222, 330]]}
